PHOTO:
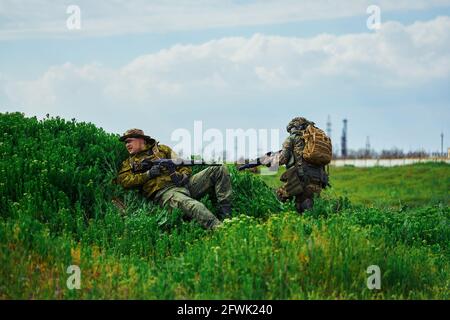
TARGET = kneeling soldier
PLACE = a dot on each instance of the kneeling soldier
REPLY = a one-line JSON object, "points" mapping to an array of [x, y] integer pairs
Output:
{"points": [[302, 179]]}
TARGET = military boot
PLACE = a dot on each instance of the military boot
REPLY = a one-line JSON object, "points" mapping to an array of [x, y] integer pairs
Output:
{"points": [[224, 211], [214, 224], [304, 205]]}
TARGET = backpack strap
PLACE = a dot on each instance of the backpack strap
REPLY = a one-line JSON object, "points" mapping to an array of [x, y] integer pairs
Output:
{"points": [[299, 169]]}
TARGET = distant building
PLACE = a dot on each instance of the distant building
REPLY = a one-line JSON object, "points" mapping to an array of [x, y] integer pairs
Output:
{"points": [[448, 152]]}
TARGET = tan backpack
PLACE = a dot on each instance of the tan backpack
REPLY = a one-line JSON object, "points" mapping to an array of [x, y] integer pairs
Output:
{"points": [[318, 148]]}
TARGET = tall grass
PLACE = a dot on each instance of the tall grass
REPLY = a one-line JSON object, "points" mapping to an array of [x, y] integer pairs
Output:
{"points": [[56, 190]]}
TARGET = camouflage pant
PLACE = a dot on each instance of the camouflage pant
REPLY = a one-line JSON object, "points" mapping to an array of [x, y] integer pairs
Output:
{"points": [[185, 198], [303, 200]]}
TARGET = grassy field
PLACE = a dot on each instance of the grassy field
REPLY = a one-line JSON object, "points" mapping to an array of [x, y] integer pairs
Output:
{"points": [[56, 211], [410, 185]]}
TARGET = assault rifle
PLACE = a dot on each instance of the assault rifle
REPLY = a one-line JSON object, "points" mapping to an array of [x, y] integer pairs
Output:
{"points": [[265, 160], [170, 164]]}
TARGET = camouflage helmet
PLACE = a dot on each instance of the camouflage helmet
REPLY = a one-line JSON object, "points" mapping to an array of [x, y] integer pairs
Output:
{"points": [[136, 133], [297, 123]]}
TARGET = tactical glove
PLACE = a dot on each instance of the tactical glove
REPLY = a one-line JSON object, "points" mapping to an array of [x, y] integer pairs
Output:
{"points": [[180, 179], [154, 171]]}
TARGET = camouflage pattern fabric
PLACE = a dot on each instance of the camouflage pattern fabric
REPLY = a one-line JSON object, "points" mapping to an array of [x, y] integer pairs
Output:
{"points": [[311, 190], [292, 150], [297, 123], [137, 133], [163, 191], [291, 155], [185, 198], [129, 180]]}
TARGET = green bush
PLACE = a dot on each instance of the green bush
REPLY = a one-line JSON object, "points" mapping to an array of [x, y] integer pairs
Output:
{"points": [[56, 210]]}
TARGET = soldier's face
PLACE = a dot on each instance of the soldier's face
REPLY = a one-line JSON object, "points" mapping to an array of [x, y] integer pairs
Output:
{"points": [[134, 145]]}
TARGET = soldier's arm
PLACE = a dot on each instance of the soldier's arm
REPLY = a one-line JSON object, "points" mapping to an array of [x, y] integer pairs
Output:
{"points": [[170, 154], [127, 179], [286, 152]]}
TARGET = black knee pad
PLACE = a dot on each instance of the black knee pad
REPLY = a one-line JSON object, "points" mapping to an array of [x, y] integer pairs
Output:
{"points": [[307, 204]]}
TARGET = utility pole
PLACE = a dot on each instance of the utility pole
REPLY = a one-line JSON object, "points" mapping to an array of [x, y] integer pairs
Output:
{"points": [[344, 140], [329, 126], [442, 144], [367, 146]]}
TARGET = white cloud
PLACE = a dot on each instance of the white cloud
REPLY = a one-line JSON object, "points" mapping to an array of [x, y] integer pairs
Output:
{"points": [[44, 18], [396, 55]]}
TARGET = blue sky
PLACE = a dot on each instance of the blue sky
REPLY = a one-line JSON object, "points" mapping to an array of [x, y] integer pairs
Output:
{"points": [[161, 65]]}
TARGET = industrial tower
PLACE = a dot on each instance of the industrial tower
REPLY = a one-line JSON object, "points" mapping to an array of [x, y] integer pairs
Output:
{"points": [[344, 140]]}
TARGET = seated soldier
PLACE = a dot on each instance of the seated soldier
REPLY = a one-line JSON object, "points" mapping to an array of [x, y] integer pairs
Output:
{"points": [[158, 185]]}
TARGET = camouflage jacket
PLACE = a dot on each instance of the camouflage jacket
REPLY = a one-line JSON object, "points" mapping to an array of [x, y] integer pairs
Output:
{"points": [[292, 150], [128, 179], [292, 153]]}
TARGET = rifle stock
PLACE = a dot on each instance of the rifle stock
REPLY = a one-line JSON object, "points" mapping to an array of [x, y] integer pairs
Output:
{"points": [[264, 160]]}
